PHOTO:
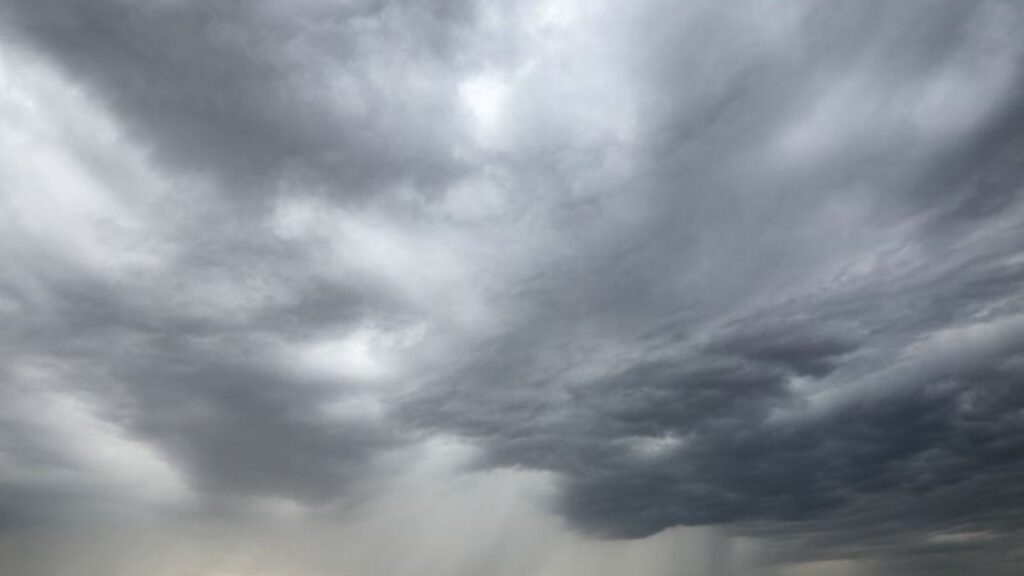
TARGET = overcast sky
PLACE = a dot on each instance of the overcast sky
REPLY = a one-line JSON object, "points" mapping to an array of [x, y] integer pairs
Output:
{"points": [[534, 288]]}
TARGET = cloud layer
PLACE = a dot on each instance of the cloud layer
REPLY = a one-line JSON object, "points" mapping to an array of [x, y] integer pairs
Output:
{"points": [[748, 266]]}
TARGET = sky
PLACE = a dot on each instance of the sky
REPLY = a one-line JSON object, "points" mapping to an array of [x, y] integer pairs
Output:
{"points": [[533, 288]]}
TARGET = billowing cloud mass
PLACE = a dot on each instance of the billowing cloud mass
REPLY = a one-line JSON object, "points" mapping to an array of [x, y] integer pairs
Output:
{"points": [[544, 287]]}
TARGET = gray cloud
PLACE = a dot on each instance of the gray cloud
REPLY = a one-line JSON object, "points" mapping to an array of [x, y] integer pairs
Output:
{"points": [[691, 425], [756, 267], [254, 94]]}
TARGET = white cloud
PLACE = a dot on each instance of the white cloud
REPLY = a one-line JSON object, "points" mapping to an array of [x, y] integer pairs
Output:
{"points": [[486, 97]]}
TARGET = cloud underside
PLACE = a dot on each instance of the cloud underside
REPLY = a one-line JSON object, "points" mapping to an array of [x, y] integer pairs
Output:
{"points": [[709, 265]]}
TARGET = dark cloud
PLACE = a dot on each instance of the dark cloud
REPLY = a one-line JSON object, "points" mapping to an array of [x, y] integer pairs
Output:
{"points": [[714, 417], [741, 265], [807, 351], [232, 422], [255, 95], [240, 431]]}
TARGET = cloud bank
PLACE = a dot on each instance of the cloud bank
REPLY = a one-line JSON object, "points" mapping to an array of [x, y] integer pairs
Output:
{"points": [[752, 267]]}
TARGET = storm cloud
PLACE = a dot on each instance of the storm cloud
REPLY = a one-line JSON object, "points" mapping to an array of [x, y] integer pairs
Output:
{"points": [[748, 275]]}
